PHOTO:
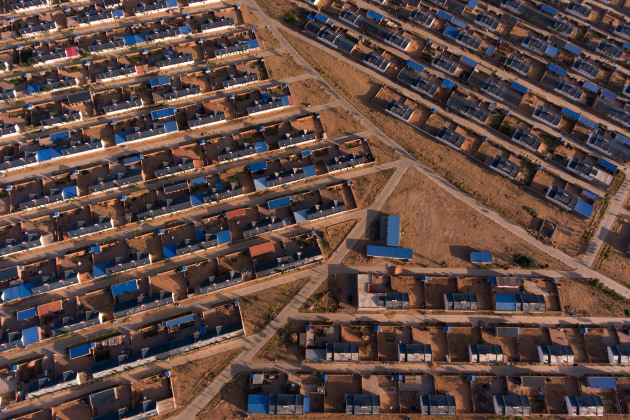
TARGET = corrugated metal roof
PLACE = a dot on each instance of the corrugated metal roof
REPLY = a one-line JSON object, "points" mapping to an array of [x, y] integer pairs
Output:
{"points": [[389, 252], [262, 249]]}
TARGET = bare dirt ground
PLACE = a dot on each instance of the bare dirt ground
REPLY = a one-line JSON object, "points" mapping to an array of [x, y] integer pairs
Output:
{"points": [[381, 152], [459, 387], [613, 259], [583, 299], [190, 378], [368, 187], [427, 211], [282, 66], [332, 295], [502, 195], [338, 122], [332, 236], [259, 309], [283, 345], [230, 403], [249, 17], [267, 40], [308, 93], [484, 388], [556, 388]]}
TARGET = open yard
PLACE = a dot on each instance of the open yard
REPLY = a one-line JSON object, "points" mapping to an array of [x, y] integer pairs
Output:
{"points": [[282, 66], [587, 298], [336, 291], [368, 187], [259, 309], [190, 378], [333, 235], [613, 259]]}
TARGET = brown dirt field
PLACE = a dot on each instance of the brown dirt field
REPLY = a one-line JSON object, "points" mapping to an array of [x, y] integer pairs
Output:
{"points": [[480, 288], [282, 66], [190, 378], [434, 291], [427, 211], [487, 187], [267, 40], [73, 410], [368, 187], [483, 389], [382, 152], [574, 338], [458, 341], [338, 122], [331, 295], [336, 389], [528, 340], [595, 346], [579, 297], [459, 387], [154, 388], [509, 345], [283, 345], [249, 17], [413, 286], [439, 343], [613, 260], [258, 309], [555, 390], [334, 235], [230, 403], [101, 301], [308, 93]]}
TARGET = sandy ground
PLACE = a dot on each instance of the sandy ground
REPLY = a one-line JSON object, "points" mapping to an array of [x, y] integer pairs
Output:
{"points": [[368, 187], [332, 236], [282, 66], [580, 298], [613, 259], [249, 17], [427, 211], [504, 196], [338, 122], [190, 378], [283, 345], [334, 293], [260, 308], [308, 93]]}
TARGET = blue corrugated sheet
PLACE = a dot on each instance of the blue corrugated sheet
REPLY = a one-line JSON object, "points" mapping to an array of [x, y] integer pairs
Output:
{"points": [[134, 39], [258, 404], [468, 61], [374, 15], [444, 15], [120, 288], [160, 81], [170, 127], [573, 49], [481, 257], [118, 13], [559, 71], [185, 30], [163, 113], [224, 237], [389, 252], [59, 136], [393, 231], [589, 194], [323, 19], [590, 124], [279, 203], [519, 87], [26, 314], [472, 4], [449, 84], [131, 160], [169, 251], [622, 139], [48, 154], [258, 166], [607, 165], [505, 302], [260, 183], [81, 350], [583, 209], [551, 51], [307, 405], [70, 192], [591, 87], [306, 153], [451, 31], [17, 292], [178, 321], [99, 270], [121, 137], [198, 181], [300, 216], [260, 146], [490, 50], [171, 3], [609, 95], [602, 382], [32, 89], [626, 45], [196, 199], [30, 336], [548, 9], [459, 23], [309, 171], [570, 113], [415, 66], [252, 43]]}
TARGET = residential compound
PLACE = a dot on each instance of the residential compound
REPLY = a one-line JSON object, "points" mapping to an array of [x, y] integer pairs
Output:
{"points": [[215, 210]]}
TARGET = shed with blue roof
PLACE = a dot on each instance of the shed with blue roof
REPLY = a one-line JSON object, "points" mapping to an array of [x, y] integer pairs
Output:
{"points": [[125, 287], [279, 203], [481, 257], [163, 113], [26, 314], [389, 252]]}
